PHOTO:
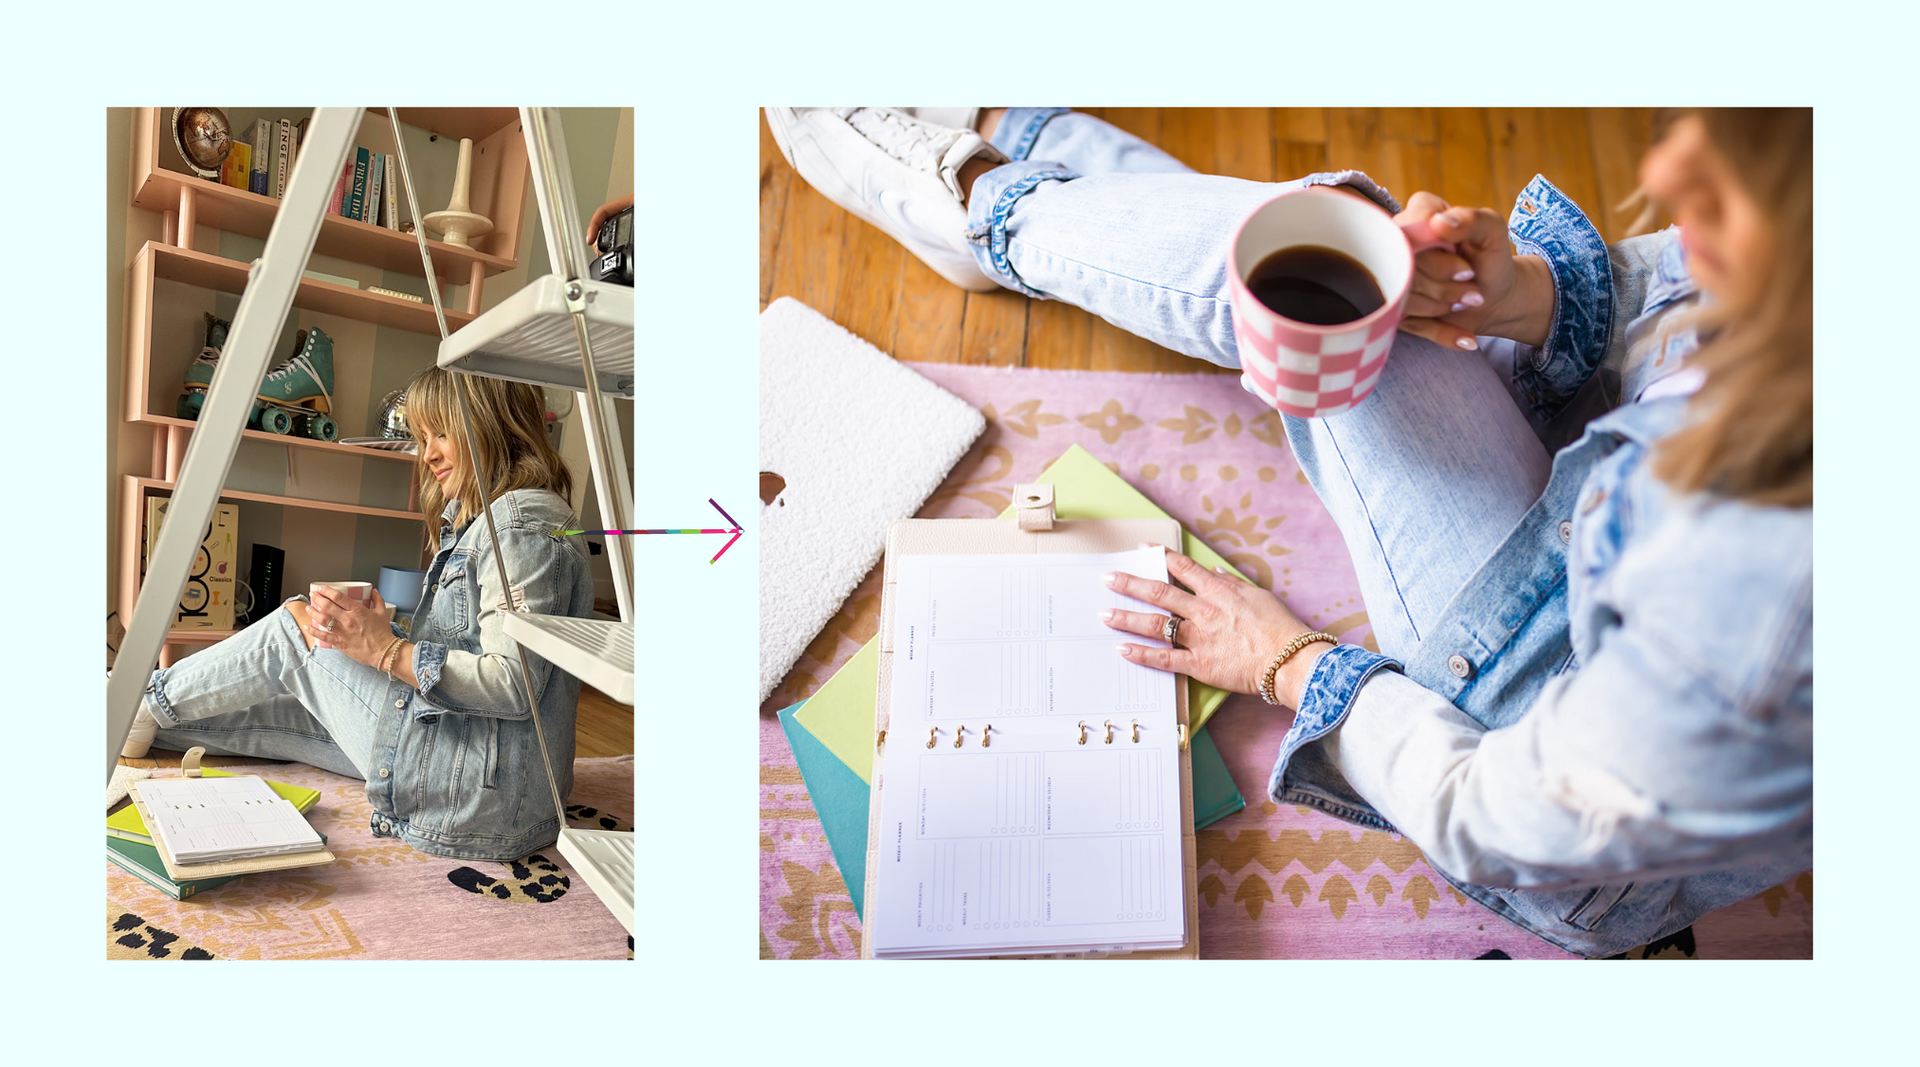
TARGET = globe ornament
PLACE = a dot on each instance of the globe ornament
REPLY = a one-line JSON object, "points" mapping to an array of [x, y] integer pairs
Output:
{"points": [[203, 137]]}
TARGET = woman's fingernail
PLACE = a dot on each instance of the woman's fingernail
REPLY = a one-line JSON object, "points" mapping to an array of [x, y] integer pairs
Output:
{"points": [[1473, 300], [1107, 615], [1464, 276], [1109, 577], [1458, 307], [1125, 650], [1446, 220], [1468, 344]]}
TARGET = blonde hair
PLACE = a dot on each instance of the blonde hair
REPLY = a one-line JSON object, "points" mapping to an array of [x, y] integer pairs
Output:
{"points": [[509, 430], [1750, 431]]}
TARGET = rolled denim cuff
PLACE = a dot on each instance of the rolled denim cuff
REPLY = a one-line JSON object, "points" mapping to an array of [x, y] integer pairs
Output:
{"points": [[1329, 696], [428, 658], [1357, 181], [994, 197], [1547, 224], [1020, 127]]}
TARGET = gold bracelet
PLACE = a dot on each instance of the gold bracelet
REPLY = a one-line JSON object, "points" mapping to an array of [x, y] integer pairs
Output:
{"points": [[1293, 646]]}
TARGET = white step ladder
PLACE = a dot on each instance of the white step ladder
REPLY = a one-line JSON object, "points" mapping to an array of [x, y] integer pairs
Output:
{"points": [[565, 330]]}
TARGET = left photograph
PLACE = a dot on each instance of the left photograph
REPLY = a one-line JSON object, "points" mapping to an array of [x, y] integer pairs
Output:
{"points": [[369, 626]]}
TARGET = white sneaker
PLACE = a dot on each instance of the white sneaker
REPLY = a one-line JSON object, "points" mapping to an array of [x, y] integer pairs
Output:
{"points": [[895, 171], [959, 117], [140, 738]]}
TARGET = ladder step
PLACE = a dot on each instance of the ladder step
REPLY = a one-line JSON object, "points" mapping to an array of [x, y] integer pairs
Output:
{"points": [[598, 653], [605, 859], [529, 337]]}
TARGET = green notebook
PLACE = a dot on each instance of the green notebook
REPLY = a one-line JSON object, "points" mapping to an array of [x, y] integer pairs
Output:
{"points": [[143, 862], [127, 824]]}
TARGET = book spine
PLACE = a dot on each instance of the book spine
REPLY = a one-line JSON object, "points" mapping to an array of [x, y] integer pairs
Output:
{"points": [[340, 189], [257, 167], [357, 194], [374, 183], [282, 159], [392, 221], [239, 161]]}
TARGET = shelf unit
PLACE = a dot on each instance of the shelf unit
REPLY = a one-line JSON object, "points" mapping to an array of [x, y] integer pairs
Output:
{"points": [[160, 183], [499, 178]]}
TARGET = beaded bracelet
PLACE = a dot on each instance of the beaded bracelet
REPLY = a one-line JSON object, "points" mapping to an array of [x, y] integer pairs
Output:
{"points": [[387, 657], [1293, 646]]}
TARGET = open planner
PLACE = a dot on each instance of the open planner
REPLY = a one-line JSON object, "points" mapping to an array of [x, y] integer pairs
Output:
{"points": [[207, 822], [1031, 789]]}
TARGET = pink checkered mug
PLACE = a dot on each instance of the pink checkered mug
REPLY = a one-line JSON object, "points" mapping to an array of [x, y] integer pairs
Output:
{"points": [[1302, 368]]}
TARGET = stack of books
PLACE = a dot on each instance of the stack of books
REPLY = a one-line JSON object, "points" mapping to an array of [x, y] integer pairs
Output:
{"points": [[130, 843], [261, 160], [368, 190]]}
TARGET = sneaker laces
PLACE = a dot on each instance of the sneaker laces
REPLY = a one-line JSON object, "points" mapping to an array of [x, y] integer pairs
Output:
{"points": [[920, 145]]}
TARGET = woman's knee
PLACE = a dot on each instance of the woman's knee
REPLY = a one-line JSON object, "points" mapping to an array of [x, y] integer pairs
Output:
{"points": [[298, 610]]}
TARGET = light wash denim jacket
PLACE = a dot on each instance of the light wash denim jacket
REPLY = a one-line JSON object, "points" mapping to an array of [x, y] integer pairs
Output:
{"points": [[1632, 744], [468, 780]]}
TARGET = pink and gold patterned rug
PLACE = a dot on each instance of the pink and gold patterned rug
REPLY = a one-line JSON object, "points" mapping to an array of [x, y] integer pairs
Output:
{"points": [[1274, 882], [380, 899]]}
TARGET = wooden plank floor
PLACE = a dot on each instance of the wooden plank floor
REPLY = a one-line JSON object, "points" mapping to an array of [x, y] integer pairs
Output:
{"points": [[858, 277]]}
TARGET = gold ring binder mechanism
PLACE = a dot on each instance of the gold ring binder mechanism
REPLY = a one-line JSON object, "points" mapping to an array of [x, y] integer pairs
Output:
{"points": [[1016, 837]]}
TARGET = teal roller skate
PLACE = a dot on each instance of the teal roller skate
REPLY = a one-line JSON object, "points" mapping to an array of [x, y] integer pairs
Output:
{"points": [[295, 398]]}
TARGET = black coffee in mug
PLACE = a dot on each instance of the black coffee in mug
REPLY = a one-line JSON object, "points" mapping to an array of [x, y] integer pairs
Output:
{"points": [[1316, 285]]}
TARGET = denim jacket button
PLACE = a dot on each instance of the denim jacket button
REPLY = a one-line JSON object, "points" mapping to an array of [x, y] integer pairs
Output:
{"points": [[385, 773], [399, 703], [1566, 532], [1459, 666]]}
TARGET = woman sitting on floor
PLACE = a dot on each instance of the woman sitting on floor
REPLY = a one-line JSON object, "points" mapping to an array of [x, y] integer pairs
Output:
{"points": [[434, 721], [1579, 500]]}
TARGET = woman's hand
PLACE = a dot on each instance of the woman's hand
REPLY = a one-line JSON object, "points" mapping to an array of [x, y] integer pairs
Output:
{"points": [[1482, 289], [1229, 631], [363, 633], [600, 216]]}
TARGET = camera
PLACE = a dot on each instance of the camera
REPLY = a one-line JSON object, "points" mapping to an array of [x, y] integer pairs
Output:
{"points": [[615, 243]]}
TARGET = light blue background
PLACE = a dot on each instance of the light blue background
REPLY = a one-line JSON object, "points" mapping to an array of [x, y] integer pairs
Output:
{"points": [[695, 76]]}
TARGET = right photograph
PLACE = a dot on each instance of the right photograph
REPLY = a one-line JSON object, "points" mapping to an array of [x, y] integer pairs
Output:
{"points": [[1287, 533]]}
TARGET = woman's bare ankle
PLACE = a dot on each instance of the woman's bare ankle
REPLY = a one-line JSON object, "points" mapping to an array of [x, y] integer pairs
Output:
{"points": [[989, 121]]}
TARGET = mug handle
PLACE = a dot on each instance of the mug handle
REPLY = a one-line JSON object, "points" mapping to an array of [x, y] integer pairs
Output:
{"points": [[1421, 237]]}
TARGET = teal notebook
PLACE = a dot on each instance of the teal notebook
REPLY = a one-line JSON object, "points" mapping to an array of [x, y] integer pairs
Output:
{"points": [[842, 800]]}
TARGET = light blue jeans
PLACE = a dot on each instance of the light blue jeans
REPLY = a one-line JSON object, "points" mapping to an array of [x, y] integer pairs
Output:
{"points": [[263, 693], [1093, 216]]}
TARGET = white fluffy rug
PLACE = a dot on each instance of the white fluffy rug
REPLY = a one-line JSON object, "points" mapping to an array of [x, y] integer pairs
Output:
{"points": [[849, 442]]}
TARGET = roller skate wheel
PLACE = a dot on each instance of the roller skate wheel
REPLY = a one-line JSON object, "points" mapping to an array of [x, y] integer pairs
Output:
{"points": [[273, 420], [318, 427], [188, 406]]}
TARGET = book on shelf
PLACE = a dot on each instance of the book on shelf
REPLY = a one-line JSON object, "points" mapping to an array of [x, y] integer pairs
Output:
{"points": [[322, 276], [282, 158], [338, 204], [234, 171], [262, 157], [390, 213], [376, 177], [357, 190]]}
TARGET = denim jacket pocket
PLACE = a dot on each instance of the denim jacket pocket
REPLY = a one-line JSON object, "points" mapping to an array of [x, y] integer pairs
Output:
{"points": [[1596, 906], [453, 598]]}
